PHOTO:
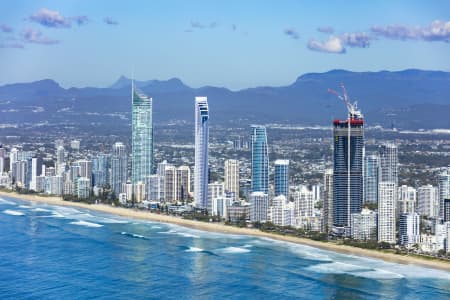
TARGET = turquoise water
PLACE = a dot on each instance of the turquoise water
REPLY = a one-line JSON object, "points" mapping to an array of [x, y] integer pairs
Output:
{"points": [[51, 252]]}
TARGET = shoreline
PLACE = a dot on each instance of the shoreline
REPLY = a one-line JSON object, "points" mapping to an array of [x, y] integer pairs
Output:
{"points": [[221, 228]]}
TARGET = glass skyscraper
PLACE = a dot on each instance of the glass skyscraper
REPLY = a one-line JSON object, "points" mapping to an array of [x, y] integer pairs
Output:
{"points": [[142, 137], [348, 168], [371, 166], [260, 160], [281, 180], [201, 152]]}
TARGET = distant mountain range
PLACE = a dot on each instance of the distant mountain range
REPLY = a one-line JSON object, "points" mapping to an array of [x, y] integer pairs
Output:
{"points": [[409, 99]]}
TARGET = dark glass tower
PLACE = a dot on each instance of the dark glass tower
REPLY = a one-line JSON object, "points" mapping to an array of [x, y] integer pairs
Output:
{"points": [[348, 168]]}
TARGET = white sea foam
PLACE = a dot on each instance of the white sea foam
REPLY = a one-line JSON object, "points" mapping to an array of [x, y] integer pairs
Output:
{"points": [[194, 249], [156, 227], [303, 251], [3, 201], [185, 234], [41, 209], [24, 206], [233, 250], [71, 213], [132, 235], [85, 223], [355, 270], [13, 212]]}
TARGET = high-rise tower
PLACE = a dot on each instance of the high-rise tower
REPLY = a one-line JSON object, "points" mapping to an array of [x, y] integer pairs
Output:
{"points": [[142, 137], [119, 168], [281, 178], [348, 164], [444, 190], [231, 169], [371, 168], [260, 160], [201, 152], [387, 192]]}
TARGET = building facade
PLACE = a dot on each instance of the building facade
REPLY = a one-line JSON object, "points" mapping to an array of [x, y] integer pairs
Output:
{"points": [[259, 207], [231, 172], [201, 152], [347, 168], [371, 166], [386, 212], [142, 137], [364, 225], [260, 160], [281, 178]]}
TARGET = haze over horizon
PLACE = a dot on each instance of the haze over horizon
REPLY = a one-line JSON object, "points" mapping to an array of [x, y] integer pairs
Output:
{"points": [[225, 44]]}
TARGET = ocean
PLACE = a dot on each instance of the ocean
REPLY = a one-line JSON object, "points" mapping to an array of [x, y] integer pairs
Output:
{"points": [[53, 252]]}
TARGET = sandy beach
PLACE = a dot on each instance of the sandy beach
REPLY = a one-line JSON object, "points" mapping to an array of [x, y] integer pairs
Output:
{"points": [[214, 227]]}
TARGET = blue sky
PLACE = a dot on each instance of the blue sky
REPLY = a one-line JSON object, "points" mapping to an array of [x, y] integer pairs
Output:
{"points": [[235, 44]]}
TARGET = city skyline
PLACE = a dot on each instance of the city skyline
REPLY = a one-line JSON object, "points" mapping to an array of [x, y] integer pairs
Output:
{"points": [[306, 37]]}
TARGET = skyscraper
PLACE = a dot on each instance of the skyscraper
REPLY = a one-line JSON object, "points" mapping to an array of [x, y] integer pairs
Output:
{"points": [[444, 190], [371, 166], [327, 200], [386, 211], [100, 169], [348, 167], [281, 181], [201, 152], [183, 183], [387, 193], [119, 168], [232, 176], [142, 137], [388, 163], [60, 163], [260, 160]]}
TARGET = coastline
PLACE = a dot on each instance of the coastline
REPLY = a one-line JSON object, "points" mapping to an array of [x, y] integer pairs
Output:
{"points": [[220, 228]]}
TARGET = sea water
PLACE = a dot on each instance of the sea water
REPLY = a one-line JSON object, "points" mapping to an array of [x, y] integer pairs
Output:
{"points": [[52, 252]]}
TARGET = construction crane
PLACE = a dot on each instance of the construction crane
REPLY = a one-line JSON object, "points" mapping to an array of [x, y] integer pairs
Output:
{"points": [[351, 108]]}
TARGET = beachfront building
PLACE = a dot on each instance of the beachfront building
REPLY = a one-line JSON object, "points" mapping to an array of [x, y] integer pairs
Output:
{"points": [[201, 152], [327, 196], [142, 137], [347, 168], [444, 190], [260, 160], [281, 177], [371, 166], [259, 207], [282, 212], [409, 229], [386, 212], [364, 225], [119, 168], [231, 170]]}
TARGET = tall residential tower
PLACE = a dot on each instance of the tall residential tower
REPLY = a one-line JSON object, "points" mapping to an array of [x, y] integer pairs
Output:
{"points": [[281, 180], [348, 167], [201, 152], [260, 160], [142, 137]]}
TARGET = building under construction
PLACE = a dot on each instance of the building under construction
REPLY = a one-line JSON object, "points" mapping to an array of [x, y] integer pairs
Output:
{"points": [[348, 164]]}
